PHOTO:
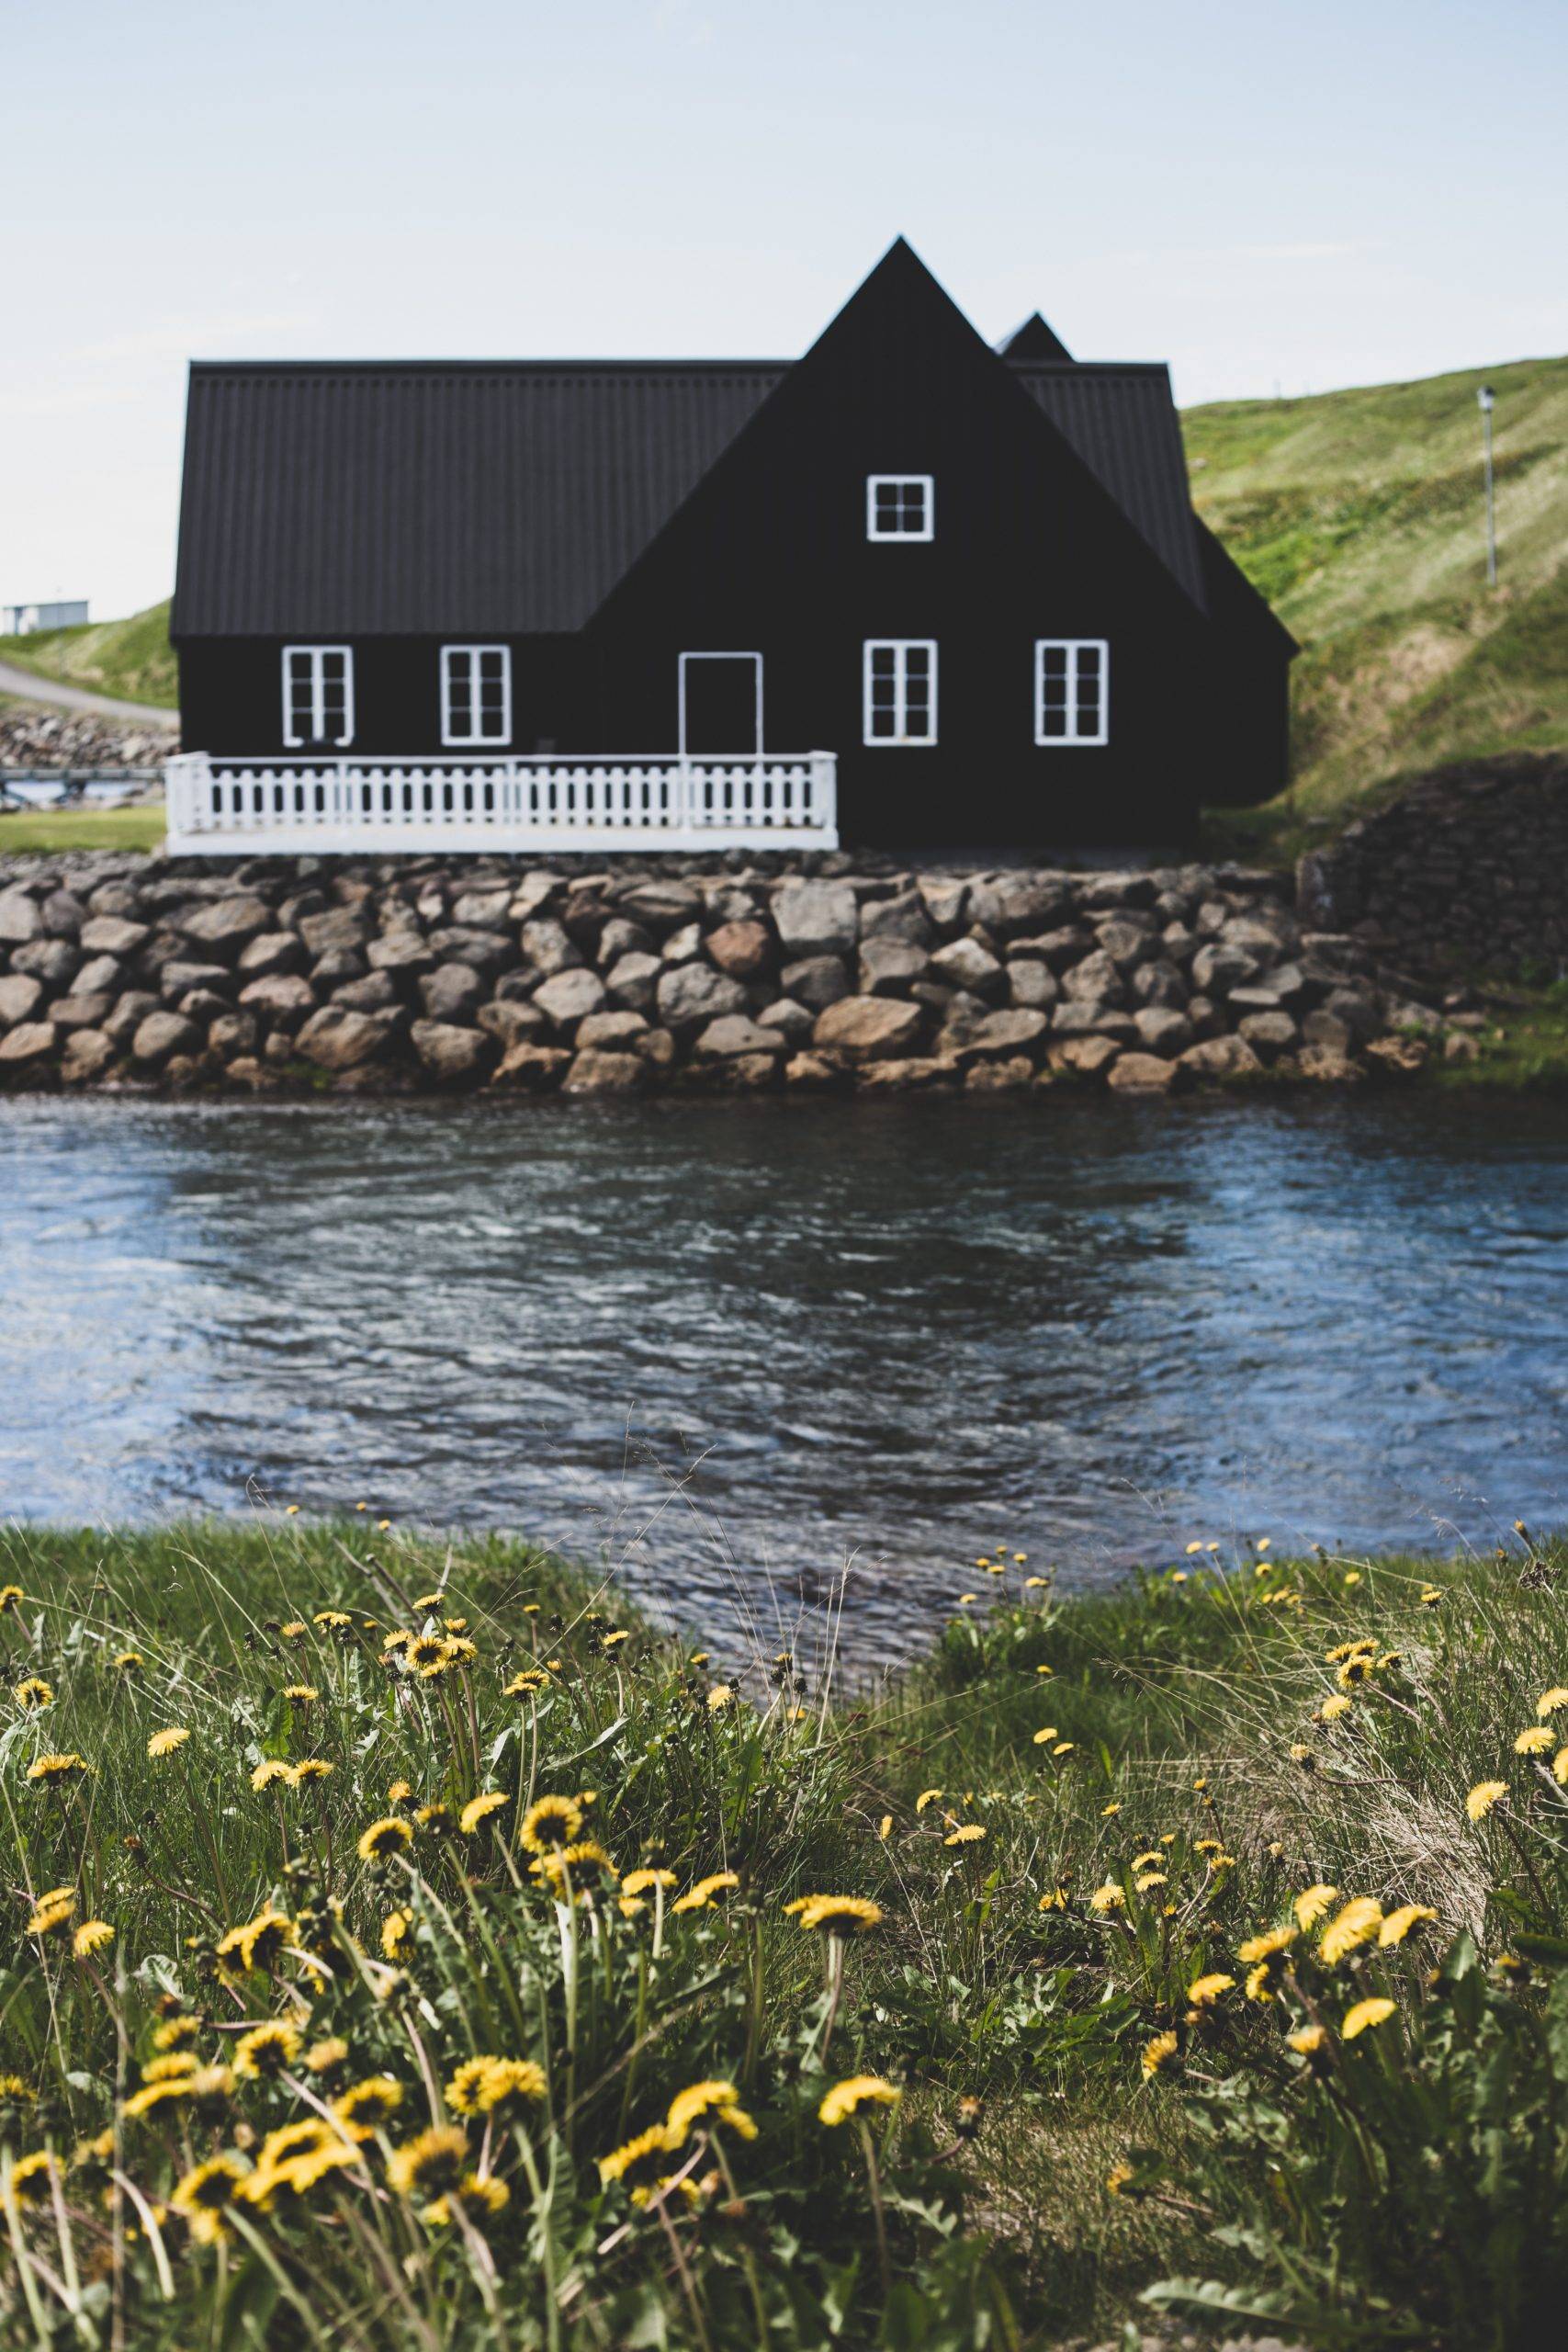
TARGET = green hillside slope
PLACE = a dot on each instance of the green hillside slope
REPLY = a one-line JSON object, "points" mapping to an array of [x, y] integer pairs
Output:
{"points": [[131, 659], [1360, 516]]}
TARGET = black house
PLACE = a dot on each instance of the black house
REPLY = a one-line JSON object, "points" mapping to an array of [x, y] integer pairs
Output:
{"points": [[973, 576]]}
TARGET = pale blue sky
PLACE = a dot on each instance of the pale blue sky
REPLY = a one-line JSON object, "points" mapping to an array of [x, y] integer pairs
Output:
{"points": [[1263, 192]]}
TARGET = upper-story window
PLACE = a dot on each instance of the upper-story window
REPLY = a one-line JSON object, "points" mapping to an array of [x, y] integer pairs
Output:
{"points": [[900, 506], [476, 694], [1072, 690], [900, 691], [318, 696]]}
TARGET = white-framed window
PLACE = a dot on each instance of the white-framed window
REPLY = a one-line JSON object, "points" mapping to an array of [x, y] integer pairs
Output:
{"points": [[900, 506], [1072, 690], [318, 696], [476, 694], [900, 691]]}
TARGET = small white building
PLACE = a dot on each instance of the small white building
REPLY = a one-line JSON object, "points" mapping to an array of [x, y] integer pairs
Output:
{"points": [[21, 620]]}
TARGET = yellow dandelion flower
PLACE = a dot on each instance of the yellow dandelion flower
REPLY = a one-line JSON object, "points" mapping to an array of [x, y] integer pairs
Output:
{"points": [[1308, 2040], [34, 1694], [1205, 1990], [333, 1620], [387, 1836], [271, 1768], [1043, 1739], [1158, 2053], [1146, 1881], [1560, 1766], [700, 1896], [1363, 2014], [47, 1917], [549, 1824], [1109, 1897], [126, 1659], [309, 1768], [11, 1597], [365, 2105], [1398, 1923], [268, 2050], [34, 2179], [166, 1742], [91, 1937], [1267, 1948], [327, 2057], [477, 1810], [1311, 1904], [927, 1797], [1482, 1797], [710, 2103], [204, 2195], [885, 1827], [395, 1933], [1332, 1709], [302, 1694], [968, 1833], [642, 1881], [431, 2163], [643, 2156], [480, 2195], [1534, 1741], [1553, 1702], [846, 2098], [837, 1915], [176, 2033], [1350, 1928]]}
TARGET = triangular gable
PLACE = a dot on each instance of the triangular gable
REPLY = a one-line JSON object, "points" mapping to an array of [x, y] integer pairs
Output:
{"points": [[1032, 340]]}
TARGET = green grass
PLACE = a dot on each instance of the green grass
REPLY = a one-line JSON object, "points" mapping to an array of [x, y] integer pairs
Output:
{"points": [[1359, 515], [130, 659], [1142, 1781], [53, 830]]}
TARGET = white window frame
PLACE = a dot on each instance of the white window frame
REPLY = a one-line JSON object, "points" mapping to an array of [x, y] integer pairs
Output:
{"points": [[316, 656], [1075, 737], [903, 646], [475, 734], [901, 482]]}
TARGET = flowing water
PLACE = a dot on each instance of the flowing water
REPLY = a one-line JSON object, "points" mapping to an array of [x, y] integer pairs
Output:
{"points": [[731, 1347]]}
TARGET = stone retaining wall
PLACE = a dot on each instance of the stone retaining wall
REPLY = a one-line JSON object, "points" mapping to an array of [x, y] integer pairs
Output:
{"points": [[403, 974], [1466, 870]]}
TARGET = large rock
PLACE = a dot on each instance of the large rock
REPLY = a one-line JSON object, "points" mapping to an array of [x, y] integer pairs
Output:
{"points": [[1085, 1057], [535, 1070], [902, 918], [1141, 1074], [55, 962], [272, 951], [28, 1045], [663, 904], [1270, 1034], [613, 1031], [223, 925], [91, 1012], [20, 996], [490, 952], [1161, 1030], [816, 918], [337, 927], [283, 997], [1094, 980], [452, 992], [1031, 984], [514, 1023], [965, 963], [64, 914], [742, 949], [128, 1016], [869, 1028], [1017, 1031], [449, 1053], [339, 1038], [487, 909], [569, 998], [1011, 1075], [549, 946], [403, 950], [1093, 1021], [890, 967], [594, 1071], [633, 977], [86, 1057], [1220, 1057], [816, 980], [112, 935], [100, 976], [163, 1034], [19, 919], [1216, 968], [690, 995], [177, 978], [1009, 903], [793, 1021], [734, 1033]]}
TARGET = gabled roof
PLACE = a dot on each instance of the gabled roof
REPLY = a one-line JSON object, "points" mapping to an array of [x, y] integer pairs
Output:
{"points": [[451, 498], [1033, 340], [1122, 419]]}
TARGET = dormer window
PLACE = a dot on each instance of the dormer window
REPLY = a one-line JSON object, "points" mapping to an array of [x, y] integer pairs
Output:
{"points": [[900, 506]]}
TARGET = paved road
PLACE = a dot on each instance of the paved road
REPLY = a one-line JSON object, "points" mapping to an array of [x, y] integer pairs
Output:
{"points": [[36, 689]]}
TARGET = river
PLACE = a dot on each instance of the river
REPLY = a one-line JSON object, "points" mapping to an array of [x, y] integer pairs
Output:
{"points": [[733, 1349]]}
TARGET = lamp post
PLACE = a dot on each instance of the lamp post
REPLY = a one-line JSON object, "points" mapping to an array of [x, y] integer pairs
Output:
{"points": [[1486, 399]]}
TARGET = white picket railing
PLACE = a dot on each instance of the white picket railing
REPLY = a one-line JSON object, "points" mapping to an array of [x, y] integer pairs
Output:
{"points": [[220, 807]]}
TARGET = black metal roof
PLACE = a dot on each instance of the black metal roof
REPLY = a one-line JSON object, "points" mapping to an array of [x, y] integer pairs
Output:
{"points": [[441, 498]]}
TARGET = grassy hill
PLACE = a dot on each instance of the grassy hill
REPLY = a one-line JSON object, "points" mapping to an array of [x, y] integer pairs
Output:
{"points": [[1360, 516], [131, 659]]}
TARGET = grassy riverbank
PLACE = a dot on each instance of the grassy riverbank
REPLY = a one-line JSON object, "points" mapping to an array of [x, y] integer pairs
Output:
{"points": [[51, 832], [130, 659], [376, 2043]]}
